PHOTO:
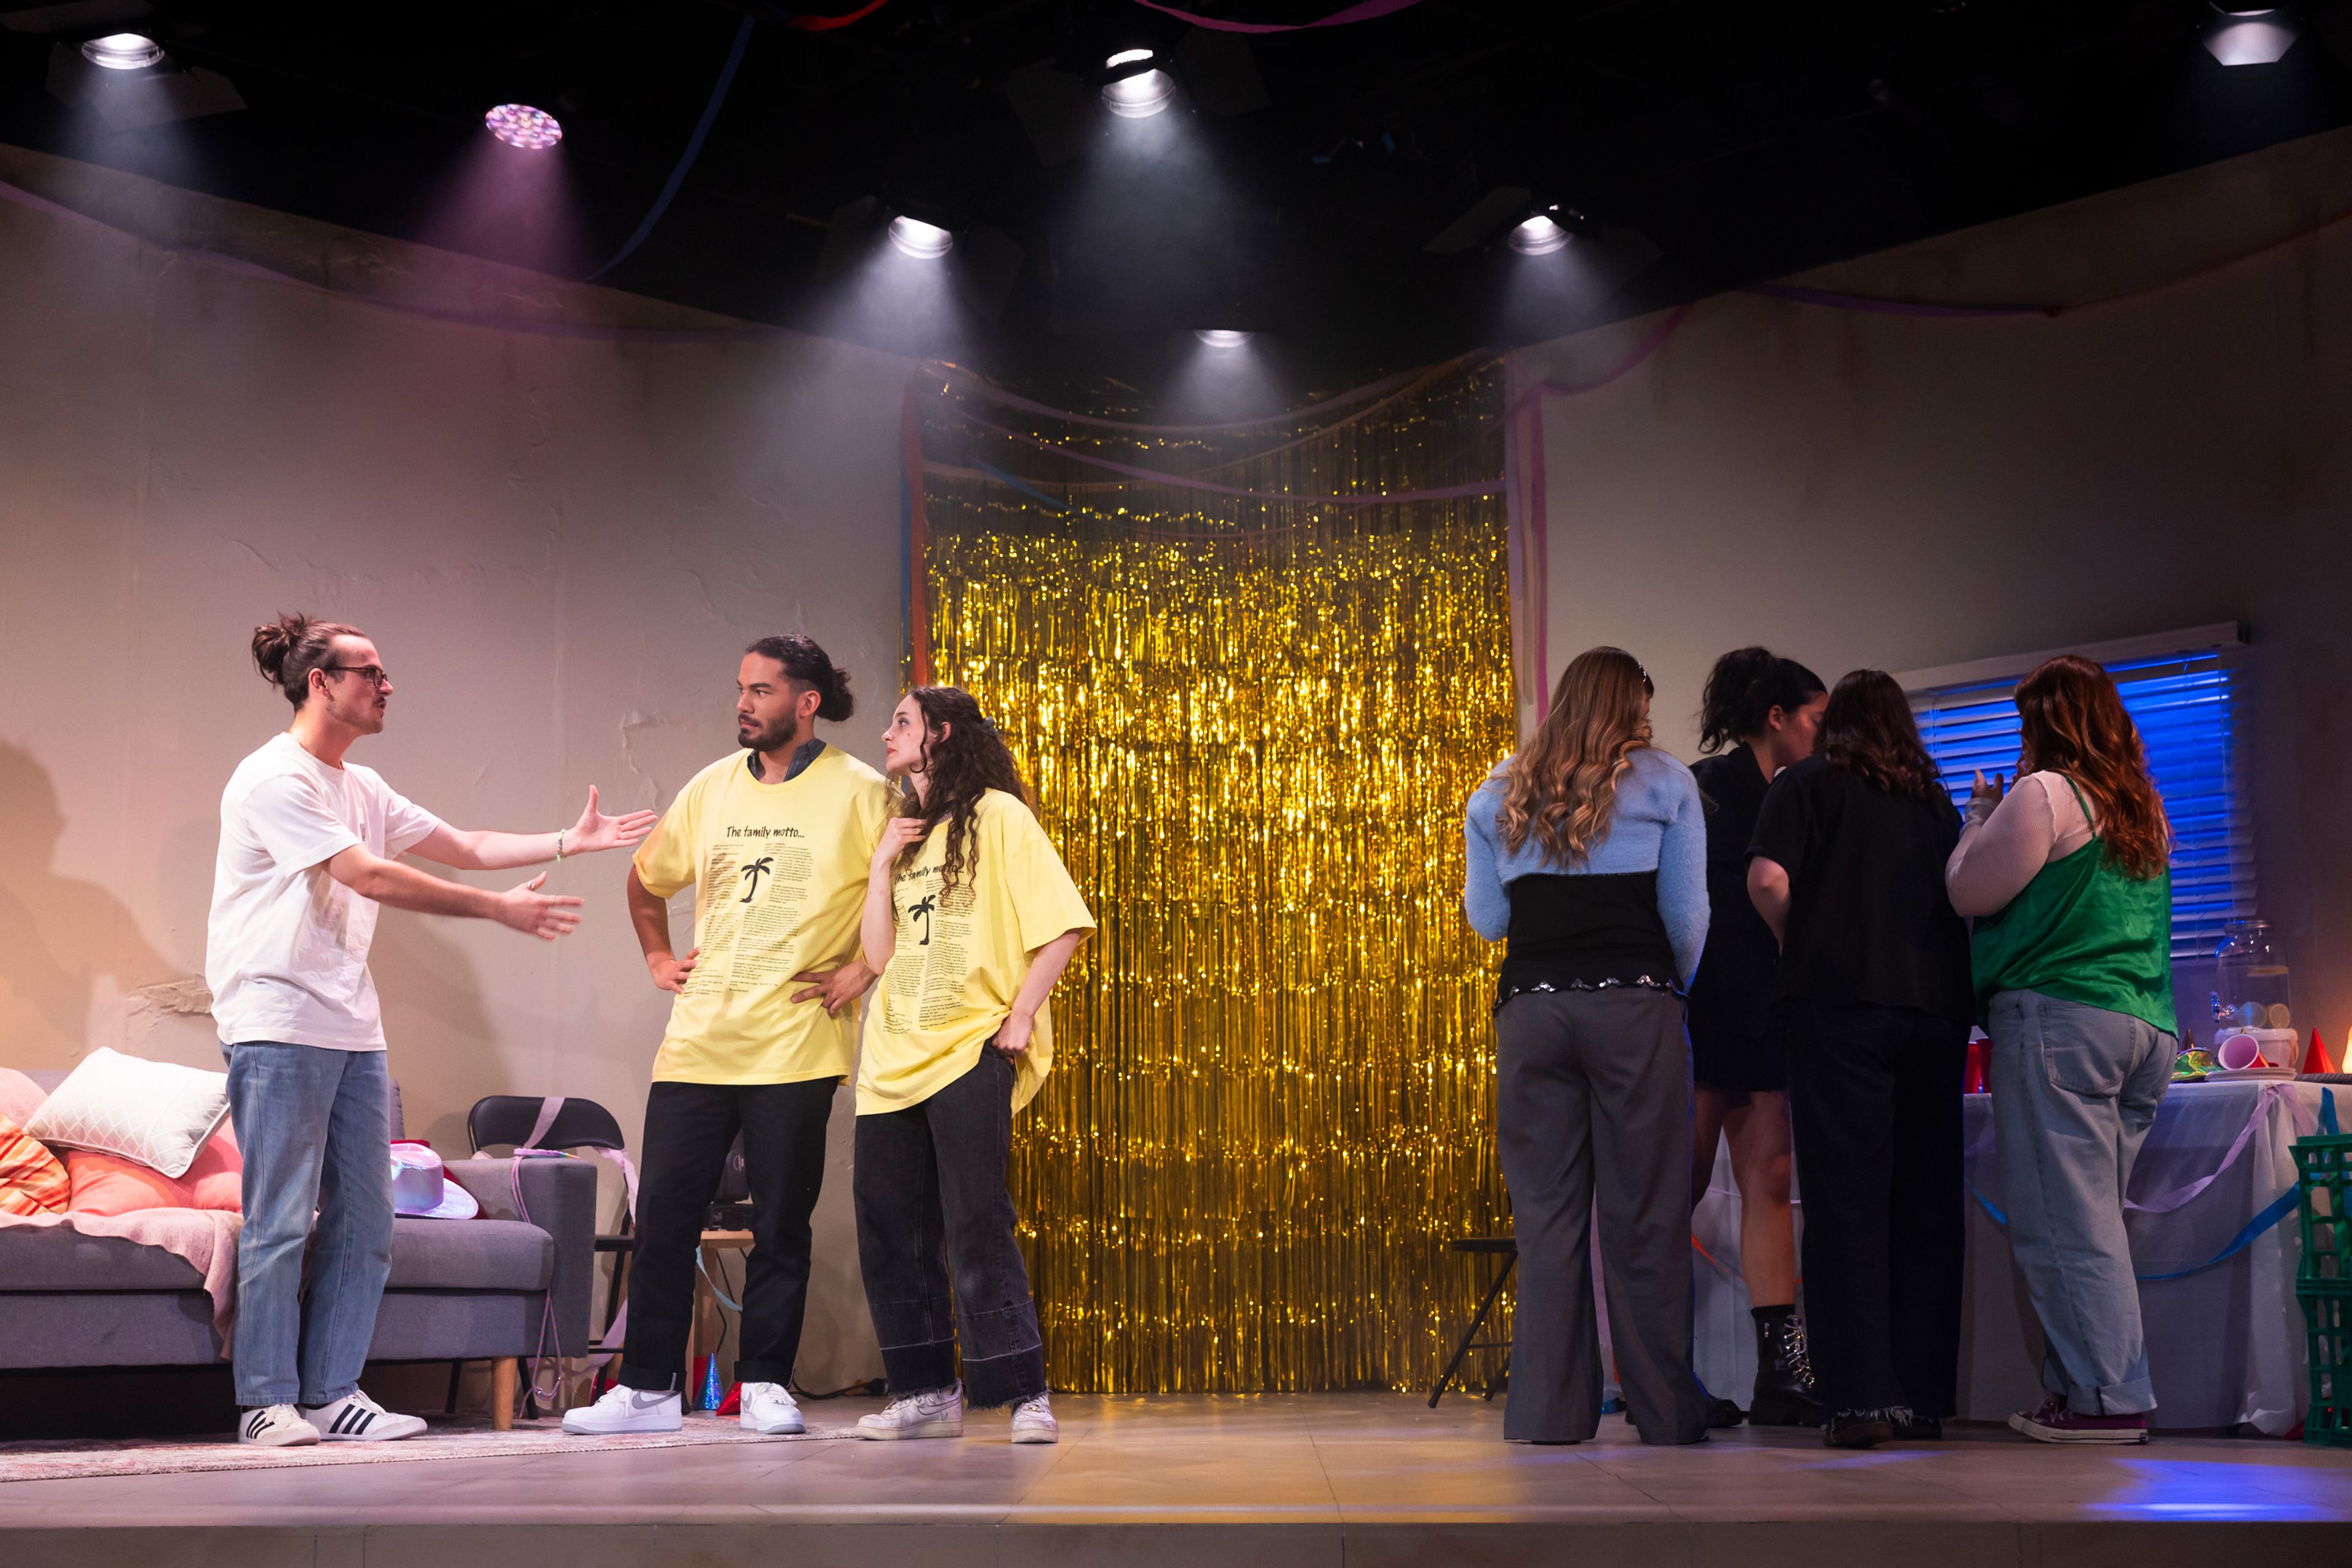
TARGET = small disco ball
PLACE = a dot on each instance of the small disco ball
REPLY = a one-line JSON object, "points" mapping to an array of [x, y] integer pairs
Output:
{"points": [[520, 126]]}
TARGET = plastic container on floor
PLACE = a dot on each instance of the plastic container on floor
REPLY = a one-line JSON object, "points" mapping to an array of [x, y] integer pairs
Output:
{"points": [[2328, 1318], [2324, 1178]]}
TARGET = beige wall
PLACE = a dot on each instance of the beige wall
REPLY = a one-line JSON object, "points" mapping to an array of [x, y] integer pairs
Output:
{"points": [[561, 546], [1869, 489]]}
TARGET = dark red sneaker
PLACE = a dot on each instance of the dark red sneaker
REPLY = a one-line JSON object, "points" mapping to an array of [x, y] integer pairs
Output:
{"points": [[2057, 1421]]}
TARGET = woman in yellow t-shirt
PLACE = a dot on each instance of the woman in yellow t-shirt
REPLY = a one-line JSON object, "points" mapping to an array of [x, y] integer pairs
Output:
{"points": [[970, 917]]}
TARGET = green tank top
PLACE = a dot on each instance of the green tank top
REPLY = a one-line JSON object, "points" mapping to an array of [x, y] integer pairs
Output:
{"points": [[2082, 930]]}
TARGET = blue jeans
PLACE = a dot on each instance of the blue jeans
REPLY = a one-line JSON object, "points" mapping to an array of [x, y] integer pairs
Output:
{"points": [[315, 1129], [2074, 1088]]}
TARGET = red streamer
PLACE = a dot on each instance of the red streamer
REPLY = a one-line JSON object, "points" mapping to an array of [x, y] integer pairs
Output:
{"points": [[828, 24]]}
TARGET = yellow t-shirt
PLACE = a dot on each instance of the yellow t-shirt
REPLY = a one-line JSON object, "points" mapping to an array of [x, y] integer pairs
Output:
{"points": [[779, 873], [961, 956]]}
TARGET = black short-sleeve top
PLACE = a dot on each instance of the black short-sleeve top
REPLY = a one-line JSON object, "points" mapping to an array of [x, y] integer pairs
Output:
{"points": [[1869, 920]]}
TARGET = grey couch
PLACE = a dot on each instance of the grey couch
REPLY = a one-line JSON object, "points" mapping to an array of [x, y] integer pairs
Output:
{"points": [[460, 1289]]}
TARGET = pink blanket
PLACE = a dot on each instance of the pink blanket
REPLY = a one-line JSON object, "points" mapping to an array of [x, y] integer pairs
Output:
{"points": [[206, 1237]]}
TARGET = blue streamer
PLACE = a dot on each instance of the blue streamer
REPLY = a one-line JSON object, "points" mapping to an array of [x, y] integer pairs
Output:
{"points": [[2269, 1219], [1001, 477], [693, 148]]}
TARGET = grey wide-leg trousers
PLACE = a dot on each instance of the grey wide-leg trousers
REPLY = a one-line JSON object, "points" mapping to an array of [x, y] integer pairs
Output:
{"points": [[1592, 1099]]}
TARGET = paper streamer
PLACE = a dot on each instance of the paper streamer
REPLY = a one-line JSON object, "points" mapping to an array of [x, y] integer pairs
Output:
{"points": [[1368, 10]]}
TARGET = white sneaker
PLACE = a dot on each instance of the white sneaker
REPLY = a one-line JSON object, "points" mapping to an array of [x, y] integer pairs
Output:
{"points": [[939, 1413], [768, 1409], [1033, 1421], [625, 1409], [356, 1418], [275, 1427]]}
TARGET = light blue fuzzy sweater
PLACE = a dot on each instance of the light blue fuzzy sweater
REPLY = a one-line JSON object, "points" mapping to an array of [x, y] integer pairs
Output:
{"points": [[1658, 825]]}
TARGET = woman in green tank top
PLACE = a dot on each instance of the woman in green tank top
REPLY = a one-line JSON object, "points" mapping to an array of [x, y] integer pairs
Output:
{"points": [[2072, 951]]}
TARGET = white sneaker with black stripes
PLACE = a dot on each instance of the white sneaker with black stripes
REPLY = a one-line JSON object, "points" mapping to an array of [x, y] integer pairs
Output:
{"points": [[275, 1427], [356, 1418]]}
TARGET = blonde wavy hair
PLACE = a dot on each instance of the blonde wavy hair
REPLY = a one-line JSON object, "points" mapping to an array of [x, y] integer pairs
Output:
{"points": [[1560, 788]]}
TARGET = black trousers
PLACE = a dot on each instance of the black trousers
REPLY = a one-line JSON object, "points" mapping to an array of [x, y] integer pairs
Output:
{"points": [[688, 1130], [933, 1214], [1874, 1101]]}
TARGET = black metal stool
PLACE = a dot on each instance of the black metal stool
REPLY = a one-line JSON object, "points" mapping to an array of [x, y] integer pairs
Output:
{"points": [[1508, 1249]]}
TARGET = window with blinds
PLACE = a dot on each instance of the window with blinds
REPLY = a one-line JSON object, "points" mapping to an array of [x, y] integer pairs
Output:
{"points": [[2185, 704]]}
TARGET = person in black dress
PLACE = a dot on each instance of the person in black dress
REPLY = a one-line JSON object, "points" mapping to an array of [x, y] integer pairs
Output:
{"points": [[1759, 716], [1847, 868]]}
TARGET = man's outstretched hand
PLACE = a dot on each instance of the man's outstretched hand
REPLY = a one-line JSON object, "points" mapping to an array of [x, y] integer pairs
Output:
{"points": [[596, 831]]}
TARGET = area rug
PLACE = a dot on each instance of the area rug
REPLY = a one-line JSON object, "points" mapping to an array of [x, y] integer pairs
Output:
{"points": [[448, 1437]]}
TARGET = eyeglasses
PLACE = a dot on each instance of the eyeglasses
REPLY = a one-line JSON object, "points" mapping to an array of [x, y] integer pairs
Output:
{"points": [[371, 673]]}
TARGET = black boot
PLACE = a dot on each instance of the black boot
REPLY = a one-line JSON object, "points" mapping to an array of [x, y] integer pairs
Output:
{"points": [[1785, 1395]]}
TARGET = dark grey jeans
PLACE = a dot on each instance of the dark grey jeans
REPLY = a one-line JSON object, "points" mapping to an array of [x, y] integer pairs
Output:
{"points": [[932, 1210], [1592, 1101]]}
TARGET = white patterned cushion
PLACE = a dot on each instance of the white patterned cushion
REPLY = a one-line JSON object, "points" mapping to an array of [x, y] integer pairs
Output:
{"points": [[156, 1113]]}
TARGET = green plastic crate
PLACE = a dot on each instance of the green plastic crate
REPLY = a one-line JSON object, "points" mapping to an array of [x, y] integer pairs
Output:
{"points": [[2324, 1166], [2328, 1318]]}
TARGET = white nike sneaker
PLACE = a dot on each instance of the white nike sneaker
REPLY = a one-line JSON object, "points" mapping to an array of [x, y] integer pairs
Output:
{"points": [[356, 1418], [627, 1409], [768, 1409], [275, 1427], [939, 1413], [1033, 1421]]}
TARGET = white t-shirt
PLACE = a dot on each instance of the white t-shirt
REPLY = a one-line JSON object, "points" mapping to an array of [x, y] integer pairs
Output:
{"points": [[286, 951]]}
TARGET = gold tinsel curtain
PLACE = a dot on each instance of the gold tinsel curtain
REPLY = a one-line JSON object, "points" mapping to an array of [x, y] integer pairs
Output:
{"points": [[1250, 726]]}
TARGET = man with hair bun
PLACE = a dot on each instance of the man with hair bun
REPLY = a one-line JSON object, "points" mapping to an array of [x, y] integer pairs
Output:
{"points": [[309, 850], [776, 844]]}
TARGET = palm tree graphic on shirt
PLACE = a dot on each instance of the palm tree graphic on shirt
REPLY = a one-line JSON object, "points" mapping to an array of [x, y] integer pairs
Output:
{"points": [[752, 873], [922, 911]]}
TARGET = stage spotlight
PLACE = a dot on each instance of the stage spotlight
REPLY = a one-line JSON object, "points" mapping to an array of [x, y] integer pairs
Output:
{"points": [[2243, 34], [122, 51], [1218, 338], [1539, 236], [1137, 89], [520, 126], [923, 241]]}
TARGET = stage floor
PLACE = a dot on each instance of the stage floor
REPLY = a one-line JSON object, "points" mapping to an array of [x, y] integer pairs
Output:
{"points": [[1298, 1480]]}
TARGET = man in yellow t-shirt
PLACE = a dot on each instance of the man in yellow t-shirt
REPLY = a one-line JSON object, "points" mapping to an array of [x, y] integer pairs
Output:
{"points": [[776, 842]]}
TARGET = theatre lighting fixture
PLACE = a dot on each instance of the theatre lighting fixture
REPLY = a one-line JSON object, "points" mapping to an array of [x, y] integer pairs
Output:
{"points": [[1220, 338], [520, 126], [122, 51], [923, 241], [1539, 236], [2242, 35], [1134, 87]]}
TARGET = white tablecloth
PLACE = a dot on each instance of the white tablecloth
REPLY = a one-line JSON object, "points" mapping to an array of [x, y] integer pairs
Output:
{"points": [[2225, 1344]]}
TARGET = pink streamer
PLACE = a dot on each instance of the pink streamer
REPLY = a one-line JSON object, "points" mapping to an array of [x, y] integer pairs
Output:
{"points": [[1367, 11], [2271, 1095], [1874, 306]]}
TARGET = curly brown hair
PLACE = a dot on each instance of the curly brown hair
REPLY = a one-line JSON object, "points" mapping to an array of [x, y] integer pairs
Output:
{"points": [[2073, 723], [964, 758], [1868, 731], [1561, 787]]}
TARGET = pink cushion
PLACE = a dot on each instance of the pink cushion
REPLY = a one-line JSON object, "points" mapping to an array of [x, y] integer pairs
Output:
{"points": [[109, 1183], [19, 1096]]}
